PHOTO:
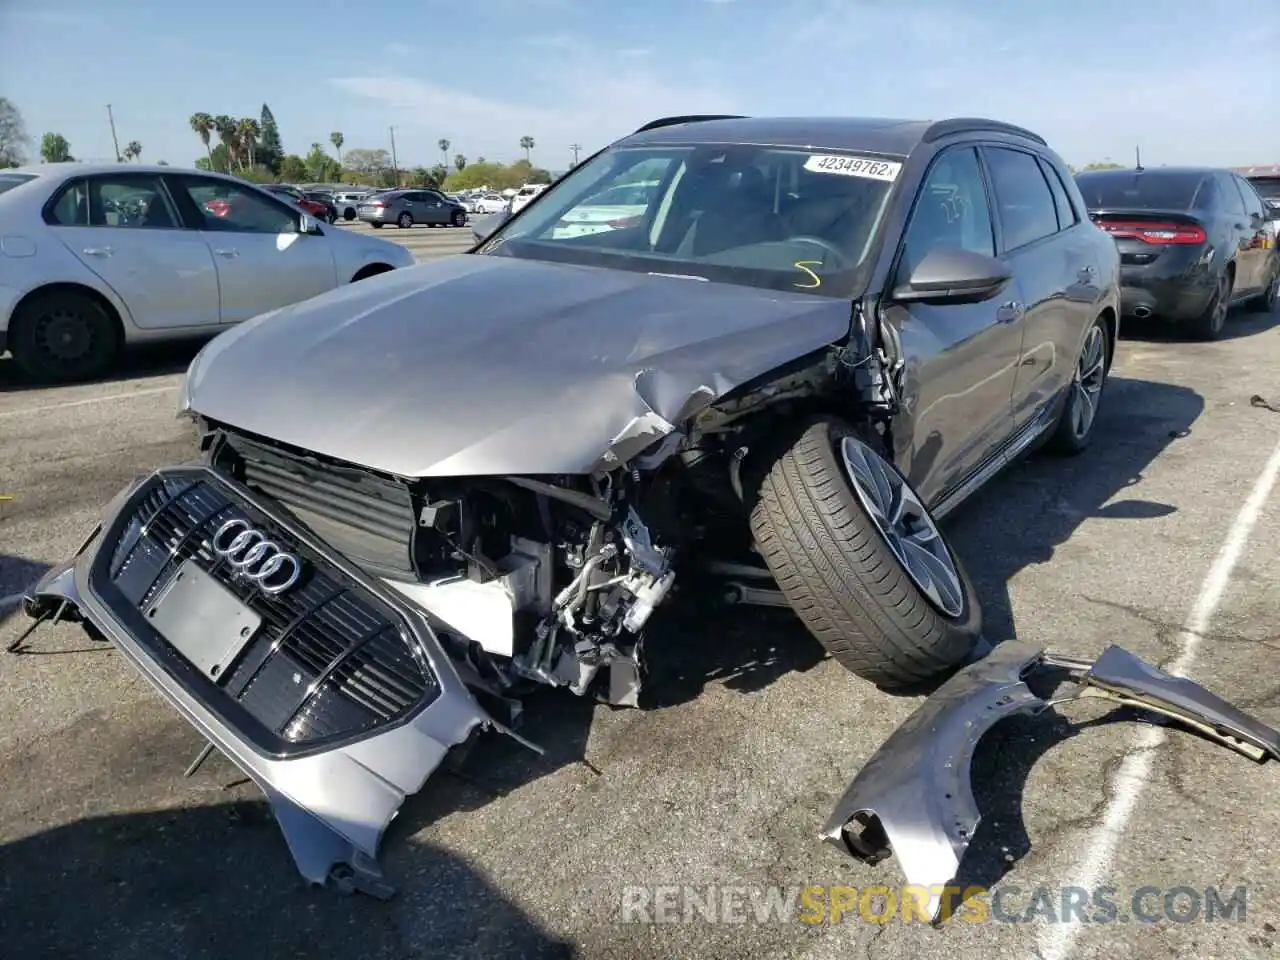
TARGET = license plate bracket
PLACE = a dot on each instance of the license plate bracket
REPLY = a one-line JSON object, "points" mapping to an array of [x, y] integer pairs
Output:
{"points": [[203, 620]]}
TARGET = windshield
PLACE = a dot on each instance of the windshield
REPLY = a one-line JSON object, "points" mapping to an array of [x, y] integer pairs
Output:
{"points": [[10, 180], [774, 217], [1150, 190]]}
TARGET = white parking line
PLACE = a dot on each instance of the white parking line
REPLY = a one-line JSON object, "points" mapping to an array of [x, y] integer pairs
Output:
{"points": [[49, 408], [1134, 772]]}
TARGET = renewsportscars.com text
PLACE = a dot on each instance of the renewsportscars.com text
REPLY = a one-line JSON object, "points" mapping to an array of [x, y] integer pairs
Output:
{"points": [[814, 904]]}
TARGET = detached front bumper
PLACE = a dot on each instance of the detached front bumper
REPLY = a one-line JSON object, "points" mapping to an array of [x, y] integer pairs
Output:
{"points": [[914, 799], [334, 697]]}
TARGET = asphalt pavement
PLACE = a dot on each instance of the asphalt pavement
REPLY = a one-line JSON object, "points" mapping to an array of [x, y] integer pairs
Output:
{"points": [[698, 808]]}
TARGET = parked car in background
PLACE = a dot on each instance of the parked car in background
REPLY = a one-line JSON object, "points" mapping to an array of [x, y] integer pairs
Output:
{"points": [[1266, 180], [112, 255], [490, 203], [614, 209], [346, 202], [1193, 241], [325, 199], [406, 207], [524, 195], [317, 209]]}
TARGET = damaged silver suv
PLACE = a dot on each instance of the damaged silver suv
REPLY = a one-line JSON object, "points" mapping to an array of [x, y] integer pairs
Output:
{"points": [[424, 493]]}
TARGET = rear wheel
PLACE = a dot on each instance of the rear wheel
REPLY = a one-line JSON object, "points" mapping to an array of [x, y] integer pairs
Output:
{"points": [[62, 336], [1209, 325], [459, 219], [404, 221], [348, 214], [861, 561], [1267, 302], [1084, 396]]}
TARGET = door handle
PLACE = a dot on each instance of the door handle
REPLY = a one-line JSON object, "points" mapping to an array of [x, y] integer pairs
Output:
{"points": [[229, 253], [1009, 312], [98, 251]]}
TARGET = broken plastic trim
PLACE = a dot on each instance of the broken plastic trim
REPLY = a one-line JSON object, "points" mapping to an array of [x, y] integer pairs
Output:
{"points": [[914, 797]]}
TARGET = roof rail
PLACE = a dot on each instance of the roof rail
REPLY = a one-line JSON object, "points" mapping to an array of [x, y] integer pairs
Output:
{"points": [[692, 118], [945, 128]]}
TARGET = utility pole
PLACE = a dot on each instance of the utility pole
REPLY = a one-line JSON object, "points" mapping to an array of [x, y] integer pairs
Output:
{"points": [[575, 147], [116, 143], [1137, 154], [395, 167]]}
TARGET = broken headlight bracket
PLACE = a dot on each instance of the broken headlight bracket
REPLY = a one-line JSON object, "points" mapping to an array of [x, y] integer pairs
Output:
{"points": [[914, 797]]}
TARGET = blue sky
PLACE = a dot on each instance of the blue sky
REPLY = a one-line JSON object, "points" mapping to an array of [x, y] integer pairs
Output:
{"points": [[1193, 81]]}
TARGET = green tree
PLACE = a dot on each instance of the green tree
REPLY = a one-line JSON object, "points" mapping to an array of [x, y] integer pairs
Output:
{"points": [[444, 151], [1104, 165], [55, 149], [229, 137], [337, 139], [292, 168], [203, 126], [270, 151], [13, 135], [439, 174], [370, 165], [321, 168], [527, 145], [459, 162], [247, 131]]}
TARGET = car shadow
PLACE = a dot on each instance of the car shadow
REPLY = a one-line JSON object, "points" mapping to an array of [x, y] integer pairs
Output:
{"points": [[151, 360], [1245, 320], [198, 883], [1019, 519]]}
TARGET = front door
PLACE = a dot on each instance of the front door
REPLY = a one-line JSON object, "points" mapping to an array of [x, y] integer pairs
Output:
{"points": [[263, 259], [125, 227], [961, 359]]}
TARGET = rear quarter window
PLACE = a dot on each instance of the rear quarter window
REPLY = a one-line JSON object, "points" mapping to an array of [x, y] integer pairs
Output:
{"points": [[10, 180]]}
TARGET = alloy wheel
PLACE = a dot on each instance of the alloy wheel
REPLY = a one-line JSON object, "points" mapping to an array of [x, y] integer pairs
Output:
{"points": [[405, 221], [1221, 303], [1086, 385], [905, 524]]}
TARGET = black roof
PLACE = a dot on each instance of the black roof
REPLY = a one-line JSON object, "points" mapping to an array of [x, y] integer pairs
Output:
{"points": [[883, 135], [1148, 171]]}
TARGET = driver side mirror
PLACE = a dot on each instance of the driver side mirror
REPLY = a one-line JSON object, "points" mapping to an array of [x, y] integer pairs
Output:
{"points": [[484, 228], [309, 226], [951, 275]]}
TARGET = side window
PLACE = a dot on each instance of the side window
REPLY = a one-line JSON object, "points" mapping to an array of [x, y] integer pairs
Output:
{"points": [[1252, 202], [1024, 203], [226, 207], [1233, 202], [1061, 202], [951, 210], [72, 208], [134, 201]]}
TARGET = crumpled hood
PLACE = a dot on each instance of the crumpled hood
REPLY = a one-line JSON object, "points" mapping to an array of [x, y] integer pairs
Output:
{"points": [[474, 365]]}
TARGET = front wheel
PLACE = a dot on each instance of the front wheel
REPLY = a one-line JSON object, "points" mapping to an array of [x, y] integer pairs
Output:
{"points": [[404, 221], [861, 561]]}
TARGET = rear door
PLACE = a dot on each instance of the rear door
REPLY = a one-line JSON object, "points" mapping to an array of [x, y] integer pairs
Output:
{"points": [[1242, 235], [263, 261], [126, 228], [1259, 232], [1050, 266], [961, 358]]}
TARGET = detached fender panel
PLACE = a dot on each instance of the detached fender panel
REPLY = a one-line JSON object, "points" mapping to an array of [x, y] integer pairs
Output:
{"points": [[914, 796]]}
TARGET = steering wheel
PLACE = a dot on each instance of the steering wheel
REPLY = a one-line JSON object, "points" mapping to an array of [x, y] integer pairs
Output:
{"points": [[827, 246]]}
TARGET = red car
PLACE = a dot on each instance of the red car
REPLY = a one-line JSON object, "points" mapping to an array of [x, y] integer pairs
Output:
{"points": [[315, 208]]}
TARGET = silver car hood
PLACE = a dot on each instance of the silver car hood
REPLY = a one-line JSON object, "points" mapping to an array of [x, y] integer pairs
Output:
{"points": [[475, 365]]}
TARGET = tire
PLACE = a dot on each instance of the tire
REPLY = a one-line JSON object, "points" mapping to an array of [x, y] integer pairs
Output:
{"points": [[348, 214], [840, 574], [63, 336], [459, 219], [376, 226], [1267, 302], [1075, 425], [1209, 325], [404, 221]]}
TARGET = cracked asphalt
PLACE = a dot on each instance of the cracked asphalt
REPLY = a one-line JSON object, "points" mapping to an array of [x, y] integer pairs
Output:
{"points": [[107, 851]]}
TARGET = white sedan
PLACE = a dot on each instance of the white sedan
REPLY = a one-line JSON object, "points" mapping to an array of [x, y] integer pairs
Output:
{"points": [[617, 207], [94, 256]]}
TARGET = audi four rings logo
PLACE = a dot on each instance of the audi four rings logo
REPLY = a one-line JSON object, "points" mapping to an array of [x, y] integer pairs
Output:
{"points": [[256, 558]]}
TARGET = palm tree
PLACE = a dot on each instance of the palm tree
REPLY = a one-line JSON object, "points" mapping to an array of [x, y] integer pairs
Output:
{"points": [[248, 131], [229, 136], [204, 126], [133, 150], [459, 162], [337, 139], [526, 144], [444, 151]]}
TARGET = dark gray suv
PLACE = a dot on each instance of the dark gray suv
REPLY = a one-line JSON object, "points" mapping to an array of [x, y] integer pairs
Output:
{"points": [[407, 207]]}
